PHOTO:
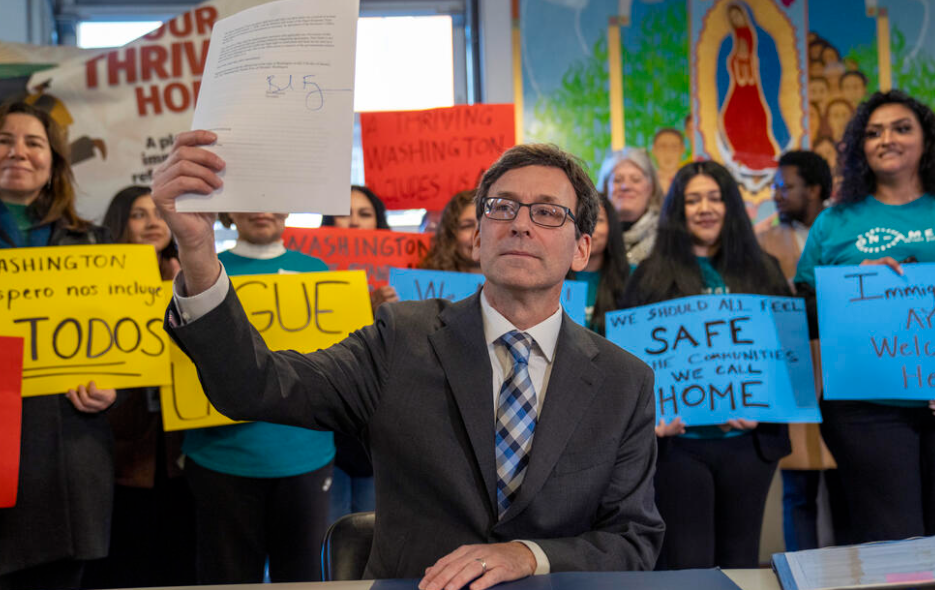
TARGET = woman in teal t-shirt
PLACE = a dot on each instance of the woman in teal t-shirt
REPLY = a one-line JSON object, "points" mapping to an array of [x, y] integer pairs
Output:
{"points": [[607, 270], [885, 450], [711, 481]]}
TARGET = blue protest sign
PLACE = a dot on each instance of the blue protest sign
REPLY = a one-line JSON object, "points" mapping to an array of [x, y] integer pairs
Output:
{"points": [[415, 285], [876, 328], [718, 357]]}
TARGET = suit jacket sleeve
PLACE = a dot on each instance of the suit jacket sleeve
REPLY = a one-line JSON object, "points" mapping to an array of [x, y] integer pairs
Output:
{"points": [[627, 531], [333, 389]]}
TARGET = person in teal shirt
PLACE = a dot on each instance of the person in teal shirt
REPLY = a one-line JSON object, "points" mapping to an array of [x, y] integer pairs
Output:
{"points": [[711, 481], [261, 490], [885, 214], [607, 270]]}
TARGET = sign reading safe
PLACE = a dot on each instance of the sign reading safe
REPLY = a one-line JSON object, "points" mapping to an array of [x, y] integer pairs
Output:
{"points": [[718, 357]]}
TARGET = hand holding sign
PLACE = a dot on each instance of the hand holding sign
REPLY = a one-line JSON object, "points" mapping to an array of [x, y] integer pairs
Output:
{"points": [[90, 399]]}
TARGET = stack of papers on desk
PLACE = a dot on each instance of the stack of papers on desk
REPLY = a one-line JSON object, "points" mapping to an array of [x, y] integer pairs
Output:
{"points": [[892, 564]]}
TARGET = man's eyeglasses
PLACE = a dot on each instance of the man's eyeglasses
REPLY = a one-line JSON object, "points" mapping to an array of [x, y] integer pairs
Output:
{"points": [[544, 214]]}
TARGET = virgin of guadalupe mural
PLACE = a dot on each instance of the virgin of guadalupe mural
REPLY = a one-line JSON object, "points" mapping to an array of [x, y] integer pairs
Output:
{"points": [[748, 99], [745, 117]]}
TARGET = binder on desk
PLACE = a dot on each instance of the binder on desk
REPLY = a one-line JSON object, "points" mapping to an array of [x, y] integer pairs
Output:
{"points": [[891, 564]]}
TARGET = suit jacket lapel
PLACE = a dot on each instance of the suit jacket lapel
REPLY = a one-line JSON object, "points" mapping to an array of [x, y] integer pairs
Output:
{"points": [[572, 384], [462, 352]]}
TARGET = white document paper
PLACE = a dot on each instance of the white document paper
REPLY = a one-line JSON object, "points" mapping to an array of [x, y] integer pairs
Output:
{"points": [[278, 90]]}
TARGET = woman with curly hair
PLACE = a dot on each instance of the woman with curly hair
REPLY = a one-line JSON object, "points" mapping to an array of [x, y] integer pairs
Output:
{"points": [[885, 449], [454, 237]]}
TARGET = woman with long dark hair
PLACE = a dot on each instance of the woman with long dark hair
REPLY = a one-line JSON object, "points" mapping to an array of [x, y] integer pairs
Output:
{"points": [[885, 450], [454, 237], [711, 481], [62, 514], [607, 270]]}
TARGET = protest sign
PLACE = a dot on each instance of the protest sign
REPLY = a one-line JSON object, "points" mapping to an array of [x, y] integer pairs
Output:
{"points": [[890, 352], [718, 357], [11, 414], [416, 285], [85, 313], [420, 159], [303, 312], [122, 106], [373, 251]]}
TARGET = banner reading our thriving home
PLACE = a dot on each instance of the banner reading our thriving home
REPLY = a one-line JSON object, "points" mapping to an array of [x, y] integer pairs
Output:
{"points": [[718, 357], [373, 251], [303, 312], [11, 414], [85, 313], [122, 107], [890, 352], [420, 159], [416, 285]]}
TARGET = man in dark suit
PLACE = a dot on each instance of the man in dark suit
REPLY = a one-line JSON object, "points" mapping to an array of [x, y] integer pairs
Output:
{"points": [[506, 439]]}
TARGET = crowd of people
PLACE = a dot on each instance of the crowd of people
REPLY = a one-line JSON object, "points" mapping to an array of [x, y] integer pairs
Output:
{"points": [[107, 499]]}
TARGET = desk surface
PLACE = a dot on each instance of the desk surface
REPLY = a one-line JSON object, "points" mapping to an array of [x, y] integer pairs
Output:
{"points": [[752, 579]]}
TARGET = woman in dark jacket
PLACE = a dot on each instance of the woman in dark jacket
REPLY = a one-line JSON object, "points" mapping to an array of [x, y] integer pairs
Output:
{"points": [[65, 497], [711, 481]]}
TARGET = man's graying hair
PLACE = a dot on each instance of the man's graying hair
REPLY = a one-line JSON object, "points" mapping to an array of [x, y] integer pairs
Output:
{"points": [[543, 154]]}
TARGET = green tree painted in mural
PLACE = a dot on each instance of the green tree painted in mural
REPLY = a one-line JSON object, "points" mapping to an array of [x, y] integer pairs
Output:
{"points": [[576, 116], [916, 75], [656, 78]]}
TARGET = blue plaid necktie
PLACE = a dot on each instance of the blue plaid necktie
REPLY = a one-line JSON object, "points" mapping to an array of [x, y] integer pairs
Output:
{"points": [[516, 419]]}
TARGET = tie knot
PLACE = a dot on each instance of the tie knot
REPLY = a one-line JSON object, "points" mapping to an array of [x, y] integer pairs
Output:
{"points": [[519, 344]]}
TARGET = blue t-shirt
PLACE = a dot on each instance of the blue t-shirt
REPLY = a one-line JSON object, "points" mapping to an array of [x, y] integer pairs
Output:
{"points": [[261, 449], [849, 234]]}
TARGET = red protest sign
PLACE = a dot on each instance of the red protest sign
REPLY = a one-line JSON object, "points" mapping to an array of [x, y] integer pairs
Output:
{"points": [[372, 250], [420, 159], [11, 413]]}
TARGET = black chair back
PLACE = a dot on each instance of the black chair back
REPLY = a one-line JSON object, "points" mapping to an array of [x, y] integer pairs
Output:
{"points": [[346, 547]]}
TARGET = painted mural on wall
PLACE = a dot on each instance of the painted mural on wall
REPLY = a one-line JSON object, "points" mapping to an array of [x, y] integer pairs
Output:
{"points": [[748, 91]]}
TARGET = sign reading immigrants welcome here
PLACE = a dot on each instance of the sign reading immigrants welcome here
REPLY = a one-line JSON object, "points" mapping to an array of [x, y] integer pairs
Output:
{"points": [[85, 313], [890, 352], [718, 357]]}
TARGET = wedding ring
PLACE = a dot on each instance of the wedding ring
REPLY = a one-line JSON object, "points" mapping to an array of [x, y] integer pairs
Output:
{"points": [[482, 563]]}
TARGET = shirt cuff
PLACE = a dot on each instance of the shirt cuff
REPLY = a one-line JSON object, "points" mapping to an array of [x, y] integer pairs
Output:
{"points": [[192, 308], [542, 560]]}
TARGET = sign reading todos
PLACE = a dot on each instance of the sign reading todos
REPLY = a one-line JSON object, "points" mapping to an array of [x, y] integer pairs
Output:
{"points": [[85, 312], [718, 357], [302, 312]]}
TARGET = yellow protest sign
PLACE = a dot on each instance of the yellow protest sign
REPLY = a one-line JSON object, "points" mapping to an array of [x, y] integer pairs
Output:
{"points": [[303, 312], [85, 313]]}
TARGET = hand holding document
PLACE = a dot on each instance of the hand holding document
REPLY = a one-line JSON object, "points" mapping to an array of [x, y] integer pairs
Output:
{"points": [[278, 90]]}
